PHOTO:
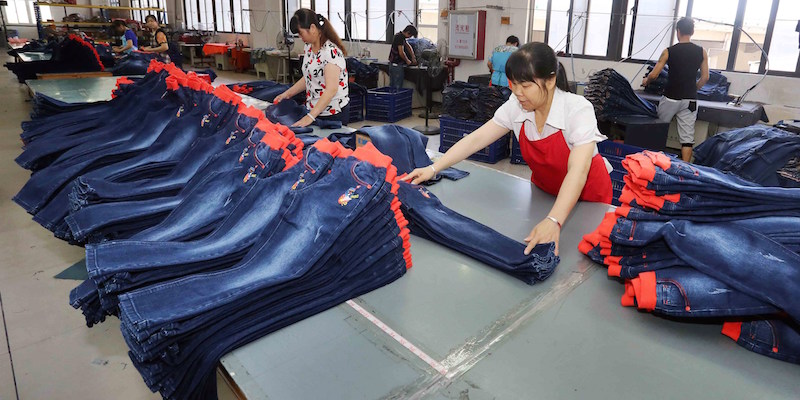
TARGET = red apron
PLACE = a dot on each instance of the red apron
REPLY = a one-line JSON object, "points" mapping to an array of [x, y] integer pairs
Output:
{"points": [[548, 158]]}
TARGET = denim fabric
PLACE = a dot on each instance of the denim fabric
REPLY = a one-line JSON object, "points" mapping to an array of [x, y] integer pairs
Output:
{"points": [[686, 292], [396, 75], [472, 101], [406, 148], [612, 96], [775, 338], [755, 153], [287, 112], [430, 219]]}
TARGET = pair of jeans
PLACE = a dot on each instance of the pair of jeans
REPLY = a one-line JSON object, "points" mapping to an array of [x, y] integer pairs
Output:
{"points": [[775, 338], [396, 75], [612, 96], [686, 292], [160, 152], [201, 210], [269, 282], [406, 148], [430, 219], [287, 112]]}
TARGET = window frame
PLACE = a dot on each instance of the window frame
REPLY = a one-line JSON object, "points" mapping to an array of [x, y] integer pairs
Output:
{"points": [[617, 31], [214, 22], [390, 25]]}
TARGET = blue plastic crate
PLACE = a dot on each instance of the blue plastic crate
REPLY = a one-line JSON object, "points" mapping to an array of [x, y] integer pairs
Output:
{"points": [[516, 152], [616, 191], [388, 104], [616, 162], [453, 129], [611, 148], [356, 108]]}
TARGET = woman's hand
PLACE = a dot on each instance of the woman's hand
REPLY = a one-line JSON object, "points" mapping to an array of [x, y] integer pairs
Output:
{"points": [[419, 175], [304, 122], [545, 232], [280, 97]]}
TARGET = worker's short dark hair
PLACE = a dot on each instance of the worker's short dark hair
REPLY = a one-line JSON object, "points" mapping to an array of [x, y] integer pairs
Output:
{"points": [[150, 16], [685, 26], [513, 40], [118, 23], [411, 30]]}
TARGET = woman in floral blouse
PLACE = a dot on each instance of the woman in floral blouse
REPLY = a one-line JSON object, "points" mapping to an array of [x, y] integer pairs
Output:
{"points": [[324, 70]]}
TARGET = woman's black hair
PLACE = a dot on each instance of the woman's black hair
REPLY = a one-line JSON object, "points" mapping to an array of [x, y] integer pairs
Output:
{"points": [[534, 61], [150, 16], [304, 18], [118, 23], [513, 40]]}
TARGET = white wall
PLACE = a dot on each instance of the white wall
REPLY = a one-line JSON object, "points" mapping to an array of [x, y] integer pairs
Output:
{"points": [[496, 33]]}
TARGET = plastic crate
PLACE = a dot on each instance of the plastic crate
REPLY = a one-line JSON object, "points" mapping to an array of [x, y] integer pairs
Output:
{"points": [[611, 148], [616, 190], [516, 152], [453, 129], [387, 104], [356, 107]]}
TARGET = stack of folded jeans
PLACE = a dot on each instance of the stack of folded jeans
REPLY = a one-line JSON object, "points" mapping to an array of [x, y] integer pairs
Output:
{"points": [[88, 163], [716, 89], [757, 153], [691, 241], [264, 90], [249, 277], [613, 97], [473, 102], [73, 54], [45, 106], [134, 63]]}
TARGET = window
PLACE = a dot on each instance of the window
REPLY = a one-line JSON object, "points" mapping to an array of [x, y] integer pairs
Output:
{"points": [[715, 38], [21, 12], [216, 15], [372, 19], [140, 15], [428, 23], [783, 50], [641, 29], [651, 23]]}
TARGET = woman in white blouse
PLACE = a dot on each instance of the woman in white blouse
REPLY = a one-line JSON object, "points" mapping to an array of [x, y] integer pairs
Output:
{"points": [[325, 79], [557, 132]]}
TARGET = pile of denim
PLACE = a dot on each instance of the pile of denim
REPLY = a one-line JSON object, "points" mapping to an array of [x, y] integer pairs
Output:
{"points": [[40, 46], [287, 112], [364, 74], [73, 54], [134, 63], [85, 166], [264, 90], [45, 106], [418, 45], [693, 242], [473, 102], [613, 97], [757, 153], [716, 89]]}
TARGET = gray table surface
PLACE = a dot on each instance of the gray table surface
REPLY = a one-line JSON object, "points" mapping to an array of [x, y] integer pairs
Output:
{"points": [[567, 337]]}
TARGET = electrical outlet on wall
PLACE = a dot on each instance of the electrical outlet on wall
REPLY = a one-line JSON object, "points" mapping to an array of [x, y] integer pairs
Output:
{"points": [[505, 20]]}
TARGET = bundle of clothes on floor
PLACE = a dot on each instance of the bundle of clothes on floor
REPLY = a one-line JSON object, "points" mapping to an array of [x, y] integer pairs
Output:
{"points": [[612, 97], [716, 89], [472, 101], [691, 241], [193, 215]]}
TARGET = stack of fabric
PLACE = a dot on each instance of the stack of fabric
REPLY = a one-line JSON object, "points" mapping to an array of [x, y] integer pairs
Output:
{"points": [[690, 241], [45, 106], [473, 102], [418, 45], [364, 74], [613, 97], [716, 89], [757, 153], [73, 54], [287, 112]]}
